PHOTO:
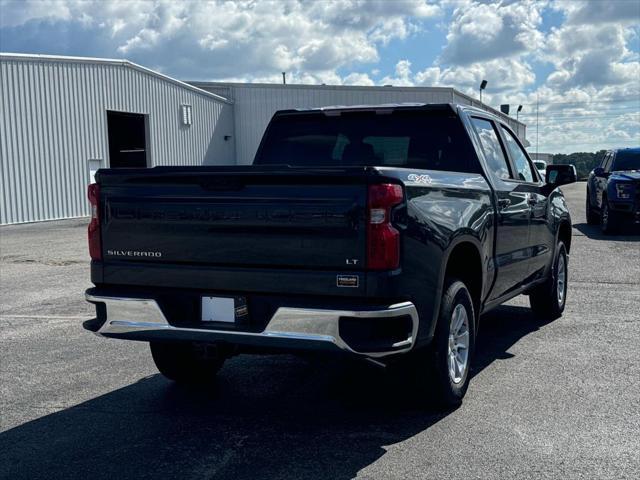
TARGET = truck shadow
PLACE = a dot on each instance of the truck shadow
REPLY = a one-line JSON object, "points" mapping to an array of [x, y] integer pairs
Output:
{"points": [[629, 233], [267, 417]]}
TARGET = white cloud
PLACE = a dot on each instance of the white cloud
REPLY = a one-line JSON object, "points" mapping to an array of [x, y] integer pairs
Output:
{"points": [[358, 79], [486, 31], [221, 39], [403, 76], [590, 55], [503, 77], [594, 12], [13, 13], [581, 118]]}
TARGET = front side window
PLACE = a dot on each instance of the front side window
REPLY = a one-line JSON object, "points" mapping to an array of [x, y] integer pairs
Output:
{"points": [[606, 164], [493, 153], [523, 167]]}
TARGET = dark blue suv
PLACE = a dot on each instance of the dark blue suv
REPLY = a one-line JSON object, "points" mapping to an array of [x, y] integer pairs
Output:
{"points": [[613, 190]]}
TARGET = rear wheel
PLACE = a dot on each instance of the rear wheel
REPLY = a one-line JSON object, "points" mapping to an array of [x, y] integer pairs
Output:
{"points": [[186, 362], [548, 300], [592, 219], [443, 370]]}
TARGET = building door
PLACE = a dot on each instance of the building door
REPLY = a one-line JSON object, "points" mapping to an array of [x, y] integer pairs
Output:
{"points": [[127, 140]]}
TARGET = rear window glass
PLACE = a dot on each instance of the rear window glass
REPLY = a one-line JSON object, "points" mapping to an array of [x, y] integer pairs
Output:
{"points": [[411, 139]]}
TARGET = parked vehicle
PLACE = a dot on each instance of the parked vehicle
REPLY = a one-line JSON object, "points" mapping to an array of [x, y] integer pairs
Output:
{"points": [[382, 232], [613, 190], [541, 166]]}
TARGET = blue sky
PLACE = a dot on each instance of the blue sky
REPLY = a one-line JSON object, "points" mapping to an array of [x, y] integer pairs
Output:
{"points": [[579, 62]]}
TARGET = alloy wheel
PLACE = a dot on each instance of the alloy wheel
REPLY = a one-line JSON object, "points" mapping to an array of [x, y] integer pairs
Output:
{"points": [[561, 283], [458, 350]]}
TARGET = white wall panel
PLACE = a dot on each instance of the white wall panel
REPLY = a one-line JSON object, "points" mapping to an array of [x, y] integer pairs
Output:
{"points": [[255, 104], [53, 121]]}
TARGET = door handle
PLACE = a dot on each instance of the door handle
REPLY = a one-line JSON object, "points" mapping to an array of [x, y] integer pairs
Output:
{"points": [[532, 200], [503, 203]]}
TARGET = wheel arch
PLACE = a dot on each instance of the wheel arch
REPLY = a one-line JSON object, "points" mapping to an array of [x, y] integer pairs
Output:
{"points": [[564, 234], [464, 261]]}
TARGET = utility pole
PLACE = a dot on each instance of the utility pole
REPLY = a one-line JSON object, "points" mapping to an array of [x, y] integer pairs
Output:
{"points": [[483, 85], [284, 78], [537, 121]]}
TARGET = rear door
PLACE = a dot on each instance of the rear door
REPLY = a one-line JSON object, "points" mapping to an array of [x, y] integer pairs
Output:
{"points": [[513, 212], [541, 233]]}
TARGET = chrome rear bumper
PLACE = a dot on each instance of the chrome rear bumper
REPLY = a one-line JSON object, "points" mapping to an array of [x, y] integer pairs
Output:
{"points": [[140, 318]]}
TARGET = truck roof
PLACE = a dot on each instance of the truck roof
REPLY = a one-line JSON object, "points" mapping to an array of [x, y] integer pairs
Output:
{"points": [[627, 149], [337, 109]]}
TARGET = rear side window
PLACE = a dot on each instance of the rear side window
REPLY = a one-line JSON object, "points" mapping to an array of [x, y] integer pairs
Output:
{"points": [[523, 167], [403, 138], [496, 160]]}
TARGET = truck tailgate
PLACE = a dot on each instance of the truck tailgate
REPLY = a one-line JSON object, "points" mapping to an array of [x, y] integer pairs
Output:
{"points": [[235, 216]]}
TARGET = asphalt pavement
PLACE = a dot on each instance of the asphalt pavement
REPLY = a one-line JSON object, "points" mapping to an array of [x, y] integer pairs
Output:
{"points": [[556, 400]]}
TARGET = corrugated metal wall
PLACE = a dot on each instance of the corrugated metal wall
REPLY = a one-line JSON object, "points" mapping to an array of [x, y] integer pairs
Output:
{"points": [[53, 121], [254, 105]]}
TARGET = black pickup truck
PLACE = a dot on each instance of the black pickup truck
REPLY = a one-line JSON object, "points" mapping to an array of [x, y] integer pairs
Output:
{"points": [[378, 231]]}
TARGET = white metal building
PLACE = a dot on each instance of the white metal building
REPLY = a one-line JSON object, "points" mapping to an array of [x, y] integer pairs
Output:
{"points": [[254, 104], [62, 118]]}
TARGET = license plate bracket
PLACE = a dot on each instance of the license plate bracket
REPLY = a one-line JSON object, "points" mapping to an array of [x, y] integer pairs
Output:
{"points": [[218, 309]]}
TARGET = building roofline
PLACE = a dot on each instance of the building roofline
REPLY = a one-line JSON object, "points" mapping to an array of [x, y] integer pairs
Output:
{"points": [[312, 87], [111, 61], [450, 90]]}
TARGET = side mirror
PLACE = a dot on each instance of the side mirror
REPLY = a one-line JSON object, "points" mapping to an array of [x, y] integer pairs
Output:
{"points": [[561, 175], [599, 172]]}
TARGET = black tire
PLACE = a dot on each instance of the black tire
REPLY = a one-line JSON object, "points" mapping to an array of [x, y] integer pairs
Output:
{"points": [[431, 365], [546, 301], [185, 362], [608, 219], [592, 218]]}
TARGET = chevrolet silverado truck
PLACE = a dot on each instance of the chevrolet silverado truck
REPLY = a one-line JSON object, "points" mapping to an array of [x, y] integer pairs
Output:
{"points": [[382, 232], [613, 190]]}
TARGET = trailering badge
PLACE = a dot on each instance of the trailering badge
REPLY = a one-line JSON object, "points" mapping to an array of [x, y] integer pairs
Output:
{"points": [[352, 281]]}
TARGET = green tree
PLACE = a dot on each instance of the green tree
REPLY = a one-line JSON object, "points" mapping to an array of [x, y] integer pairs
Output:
{"points": [[583, 161]]}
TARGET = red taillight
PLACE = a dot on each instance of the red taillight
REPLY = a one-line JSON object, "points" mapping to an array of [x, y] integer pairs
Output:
{"points": [[383, 240], [95, 250]]}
